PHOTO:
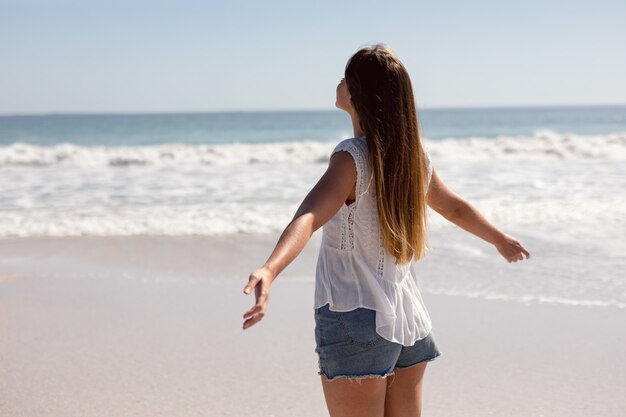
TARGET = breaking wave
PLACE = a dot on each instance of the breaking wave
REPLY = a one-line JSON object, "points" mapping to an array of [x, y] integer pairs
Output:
{"points": [[543, 144]]}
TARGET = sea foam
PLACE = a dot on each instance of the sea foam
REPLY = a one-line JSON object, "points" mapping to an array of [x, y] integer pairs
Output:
{"points": [[543, 144], [561, 184]]}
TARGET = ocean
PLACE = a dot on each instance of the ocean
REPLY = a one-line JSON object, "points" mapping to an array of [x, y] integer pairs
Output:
{"points": [[556, 174]]}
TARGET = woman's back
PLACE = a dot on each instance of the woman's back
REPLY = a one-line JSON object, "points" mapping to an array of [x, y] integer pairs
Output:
{"points": [[354, 270], [365, 271]]}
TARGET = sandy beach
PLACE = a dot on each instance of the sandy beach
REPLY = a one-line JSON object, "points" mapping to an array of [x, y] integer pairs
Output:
{"points": [[151, 326], [151, 155]]}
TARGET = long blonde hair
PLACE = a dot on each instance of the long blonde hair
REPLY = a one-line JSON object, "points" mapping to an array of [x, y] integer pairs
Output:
{"points": [[382, 96]]}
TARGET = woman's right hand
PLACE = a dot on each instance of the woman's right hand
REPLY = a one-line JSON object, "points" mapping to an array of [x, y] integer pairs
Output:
{"points": [[511, 249], [259, 281]]}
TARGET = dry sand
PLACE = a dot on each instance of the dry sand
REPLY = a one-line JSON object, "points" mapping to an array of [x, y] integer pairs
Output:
{"points": [[151, 326]]}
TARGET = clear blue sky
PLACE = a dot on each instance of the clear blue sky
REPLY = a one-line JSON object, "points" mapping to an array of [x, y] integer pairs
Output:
{"points": [[141, 56]]}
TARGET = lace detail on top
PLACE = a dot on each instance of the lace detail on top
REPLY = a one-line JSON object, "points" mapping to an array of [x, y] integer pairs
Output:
{"points": [[347, 229], [381, 259], [351, 227], [347, 223]]}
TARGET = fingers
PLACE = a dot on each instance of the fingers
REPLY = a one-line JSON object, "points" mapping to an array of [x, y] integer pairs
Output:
{"points": [[258, 308], [254, 315], [525, 252], [253, 320], [513, 251], [515, 258], [257, 312], [519, 247], [252, 281], [518, 256]]}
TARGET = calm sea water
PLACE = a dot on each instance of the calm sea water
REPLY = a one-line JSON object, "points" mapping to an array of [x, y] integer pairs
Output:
{"points": [[557, 175], [271, 127]]}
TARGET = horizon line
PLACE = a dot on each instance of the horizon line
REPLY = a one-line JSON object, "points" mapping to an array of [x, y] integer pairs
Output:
{"points": [[279, 110]]}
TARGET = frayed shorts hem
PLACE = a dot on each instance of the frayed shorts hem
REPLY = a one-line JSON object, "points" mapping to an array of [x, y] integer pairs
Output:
{"points": [[356, 378], [420, 362]]}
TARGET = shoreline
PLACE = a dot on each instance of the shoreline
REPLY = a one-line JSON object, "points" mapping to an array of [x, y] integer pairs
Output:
{"points": [[559, 272]]}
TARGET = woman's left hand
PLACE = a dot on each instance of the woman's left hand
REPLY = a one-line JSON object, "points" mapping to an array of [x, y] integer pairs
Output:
{"points": [[260, 280], [511, 249]]}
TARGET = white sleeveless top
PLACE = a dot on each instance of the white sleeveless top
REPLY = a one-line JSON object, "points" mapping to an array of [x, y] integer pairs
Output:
{"points": [[354, 270]]}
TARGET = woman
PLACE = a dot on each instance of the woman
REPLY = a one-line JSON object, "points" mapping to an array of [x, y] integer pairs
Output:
{"points": [[370, 318]]}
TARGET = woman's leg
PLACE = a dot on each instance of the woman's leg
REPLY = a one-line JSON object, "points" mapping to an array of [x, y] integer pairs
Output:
{"points": [[364, 397], [404, 391]]}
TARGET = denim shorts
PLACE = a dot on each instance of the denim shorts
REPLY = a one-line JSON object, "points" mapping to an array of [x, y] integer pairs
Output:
{"points": [[348, 346]]}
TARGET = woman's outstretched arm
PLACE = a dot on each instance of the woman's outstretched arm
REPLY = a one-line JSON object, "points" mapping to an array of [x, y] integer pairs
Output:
{"points": [[319, 206], [460, 212]]}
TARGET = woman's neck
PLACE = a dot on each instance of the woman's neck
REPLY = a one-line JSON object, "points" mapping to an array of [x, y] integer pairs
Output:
{"points": [[356, 126]]}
